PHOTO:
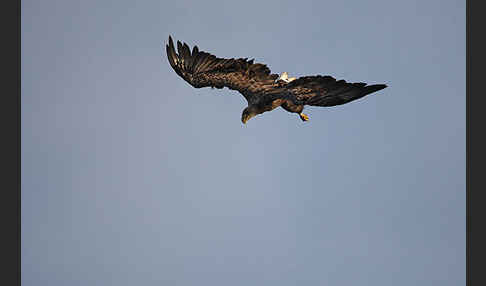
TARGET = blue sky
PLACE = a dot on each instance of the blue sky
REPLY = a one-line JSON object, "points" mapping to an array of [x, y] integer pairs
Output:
{"points": [[132, 177]]}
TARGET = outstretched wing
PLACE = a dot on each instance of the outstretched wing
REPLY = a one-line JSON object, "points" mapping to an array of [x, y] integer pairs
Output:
{"points": [[327, 91], [201, 69]]}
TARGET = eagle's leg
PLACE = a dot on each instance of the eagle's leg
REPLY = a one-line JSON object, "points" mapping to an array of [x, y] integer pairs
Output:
{"points": [[303, 117], [295, 108]]}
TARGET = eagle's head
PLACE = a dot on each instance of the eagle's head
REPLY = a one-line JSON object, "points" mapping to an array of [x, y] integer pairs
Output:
{"points": [[248, 113]]}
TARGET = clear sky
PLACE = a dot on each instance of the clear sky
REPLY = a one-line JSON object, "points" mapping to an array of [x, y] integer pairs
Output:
{"points": [[130, 176]]}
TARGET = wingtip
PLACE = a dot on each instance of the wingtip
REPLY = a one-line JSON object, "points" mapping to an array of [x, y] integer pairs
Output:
{"points": [[374, 88]]}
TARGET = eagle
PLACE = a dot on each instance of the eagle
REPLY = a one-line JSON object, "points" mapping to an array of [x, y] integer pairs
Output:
{"points": [[262, 90]]}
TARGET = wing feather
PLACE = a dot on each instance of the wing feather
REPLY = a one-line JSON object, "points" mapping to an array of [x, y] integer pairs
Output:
{"points": [[195, 50], [179, 48], [187, 56], [201, 69]]}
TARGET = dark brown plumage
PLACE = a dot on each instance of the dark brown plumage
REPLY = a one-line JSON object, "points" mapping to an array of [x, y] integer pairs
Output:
{"points": [[260, 88]]}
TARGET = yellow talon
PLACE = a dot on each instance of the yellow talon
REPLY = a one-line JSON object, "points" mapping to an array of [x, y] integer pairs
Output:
{"points": [[303, 117]]}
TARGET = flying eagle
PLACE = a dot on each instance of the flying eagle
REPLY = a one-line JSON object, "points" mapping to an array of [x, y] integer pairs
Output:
{"points": [[263, 91]]}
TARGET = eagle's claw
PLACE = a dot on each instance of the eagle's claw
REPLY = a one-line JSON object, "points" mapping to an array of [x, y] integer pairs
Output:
{"points": [[303, 117]]}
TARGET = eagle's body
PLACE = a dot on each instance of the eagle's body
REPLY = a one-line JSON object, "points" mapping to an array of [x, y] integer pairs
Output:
{"points": [[262, 90]]}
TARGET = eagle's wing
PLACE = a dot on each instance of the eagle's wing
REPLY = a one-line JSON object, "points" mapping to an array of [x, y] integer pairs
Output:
{"points": [[327, 91], [201, 69]]}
